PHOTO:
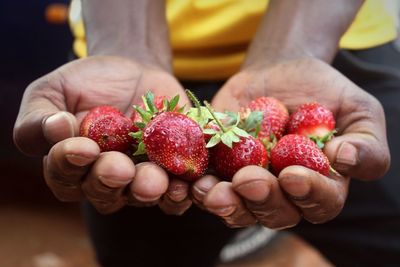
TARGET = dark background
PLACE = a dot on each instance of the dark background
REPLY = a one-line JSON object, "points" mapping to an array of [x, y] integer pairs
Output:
{"points": [[30, 47]]}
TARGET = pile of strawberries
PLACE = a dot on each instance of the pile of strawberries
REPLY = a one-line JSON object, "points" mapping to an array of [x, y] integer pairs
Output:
{"points": [[190, 143]]}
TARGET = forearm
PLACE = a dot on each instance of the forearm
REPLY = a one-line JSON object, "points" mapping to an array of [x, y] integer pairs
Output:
{"points": [[302, 28], [132, 29]]}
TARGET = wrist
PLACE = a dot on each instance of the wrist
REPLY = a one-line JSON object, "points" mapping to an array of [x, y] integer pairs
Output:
{"points": [[136, 30], [301, 29]]}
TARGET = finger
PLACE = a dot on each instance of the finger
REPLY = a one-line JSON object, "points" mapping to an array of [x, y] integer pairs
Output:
{"points": [[176, 200], [222, 201], [41, 121], [263, 197], [105, 183], [68, 161], [359, 156], [361, 150], [149, 184], [201, 187], [319, 198]]}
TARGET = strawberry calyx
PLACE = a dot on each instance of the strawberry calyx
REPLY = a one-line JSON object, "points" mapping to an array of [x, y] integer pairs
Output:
{"points": [[199, 113], [150, 110], [147, 114], [227, 134], [320, 141]]}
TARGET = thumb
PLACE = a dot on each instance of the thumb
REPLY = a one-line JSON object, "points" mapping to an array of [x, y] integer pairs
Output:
{"points": [[357, 155], [41, 122]]}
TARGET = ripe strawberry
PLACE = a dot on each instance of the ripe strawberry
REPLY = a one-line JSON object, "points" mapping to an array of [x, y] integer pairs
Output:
{"points": [[227, 161], [176, 142], [314, 121], [275, 116], [294, 149], [109, 128]]}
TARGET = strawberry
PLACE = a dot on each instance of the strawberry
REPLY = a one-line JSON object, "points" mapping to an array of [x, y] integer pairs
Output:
{"points": [[232, 148], [109, 128], [176, 142], [294, 149], [248, 151], [171, 139], [275, 117], [314, 121]]}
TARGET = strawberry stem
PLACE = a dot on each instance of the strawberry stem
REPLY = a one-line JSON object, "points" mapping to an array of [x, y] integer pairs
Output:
{"points": [[210, 109], [195, 101]]}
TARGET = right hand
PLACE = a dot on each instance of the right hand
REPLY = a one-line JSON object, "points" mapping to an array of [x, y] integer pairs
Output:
{"points": [[48, 121]]}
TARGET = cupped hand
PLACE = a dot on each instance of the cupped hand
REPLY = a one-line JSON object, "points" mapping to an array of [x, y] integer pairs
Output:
{"points": [[360, 149], [47, 124]]}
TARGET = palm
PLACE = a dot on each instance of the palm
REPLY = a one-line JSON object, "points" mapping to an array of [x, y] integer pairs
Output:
{"points": [[359, 116], [111, 81]]}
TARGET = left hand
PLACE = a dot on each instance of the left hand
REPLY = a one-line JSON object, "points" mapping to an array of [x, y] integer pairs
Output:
{"points": [[360, 150]]}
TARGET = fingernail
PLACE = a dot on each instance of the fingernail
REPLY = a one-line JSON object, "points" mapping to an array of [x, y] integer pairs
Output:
{"points": [[59, 126], [347, 155], [297, 188], [78, 160], [198, 193], [114, 182], [177, 193], [145, 198], [255, 191], [223, 211]]}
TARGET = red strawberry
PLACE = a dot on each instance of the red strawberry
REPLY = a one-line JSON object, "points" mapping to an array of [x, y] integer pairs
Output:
{"points": [[248, 151], [314, 121], [294, 149], [176, 142], [275, 116], [109, 128]]}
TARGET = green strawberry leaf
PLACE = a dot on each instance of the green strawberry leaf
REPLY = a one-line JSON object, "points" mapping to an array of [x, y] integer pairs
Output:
{"points": [[217, 121], [141, 149], [137, 135], [257, 131], [148, 101], [214, 141], [165, 104], [210, 131], [173, 103], [232, 117], [203, 118], [240, 132], [220, 115], [234, 137], [253, 120], [320, 144], [180, 110], [146, 115], [140, 125], [226, 138]]}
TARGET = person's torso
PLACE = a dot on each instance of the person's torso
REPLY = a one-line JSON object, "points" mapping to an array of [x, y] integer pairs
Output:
{"points": [[209, 38]]}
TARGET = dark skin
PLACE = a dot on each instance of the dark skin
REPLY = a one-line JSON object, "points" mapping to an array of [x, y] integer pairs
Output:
{"points": [[289, 66]]}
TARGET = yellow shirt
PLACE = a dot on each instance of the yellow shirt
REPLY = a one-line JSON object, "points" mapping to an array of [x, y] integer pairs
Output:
{"points": [[209, 37]]}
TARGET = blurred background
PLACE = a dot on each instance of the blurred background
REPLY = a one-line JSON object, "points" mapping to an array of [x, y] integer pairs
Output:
{"points": [[36, 230]]}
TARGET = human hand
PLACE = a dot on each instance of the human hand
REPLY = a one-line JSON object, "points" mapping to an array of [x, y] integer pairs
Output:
{"points": [[360, 150], [51, 111]]}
